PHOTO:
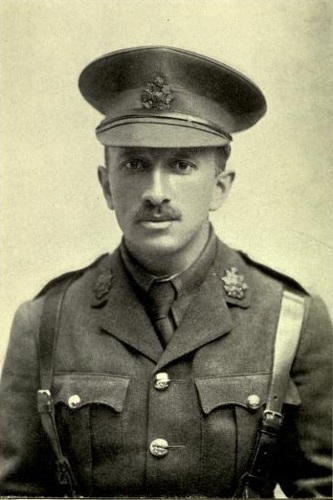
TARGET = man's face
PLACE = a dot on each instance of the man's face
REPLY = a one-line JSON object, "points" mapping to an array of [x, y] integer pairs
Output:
{"points": [[162, 197]]}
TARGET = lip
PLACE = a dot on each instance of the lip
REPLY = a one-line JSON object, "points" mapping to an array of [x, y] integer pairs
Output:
{"points": [[156, 224], [156, 218]]}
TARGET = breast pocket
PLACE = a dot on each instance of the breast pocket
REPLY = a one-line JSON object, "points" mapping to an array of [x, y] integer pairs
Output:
{"points": [[89, 410], [232, 409], [231, 412]]}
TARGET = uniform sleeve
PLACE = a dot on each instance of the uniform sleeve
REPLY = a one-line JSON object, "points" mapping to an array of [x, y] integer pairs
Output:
{"points": [[26, 466], [305, 455]]}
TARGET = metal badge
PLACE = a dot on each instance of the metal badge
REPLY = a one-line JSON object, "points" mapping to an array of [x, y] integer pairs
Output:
{"points": [[157, 94], [234, 284], [103, 284]]}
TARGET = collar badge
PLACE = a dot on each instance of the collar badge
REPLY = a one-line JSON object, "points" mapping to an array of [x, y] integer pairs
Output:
{"points": [[103, 284], [157, 94], [234, 284]]}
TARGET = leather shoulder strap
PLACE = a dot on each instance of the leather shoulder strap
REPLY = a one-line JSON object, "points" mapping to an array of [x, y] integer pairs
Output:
{"points": [[286, 341], [48, 334]]}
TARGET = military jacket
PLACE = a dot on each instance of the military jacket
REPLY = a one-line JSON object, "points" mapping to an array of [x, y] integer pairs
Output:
{"points": [[111, 407]]}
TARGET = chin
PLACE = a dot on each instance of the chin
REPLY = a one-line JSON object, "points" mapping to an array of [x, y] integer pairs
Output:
{"points": [[158, 246]]}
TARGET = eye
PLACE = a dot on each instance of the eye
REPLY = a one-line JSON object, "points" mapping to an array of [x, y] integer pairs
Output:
{"points": [[133, 164], [183, 167]]}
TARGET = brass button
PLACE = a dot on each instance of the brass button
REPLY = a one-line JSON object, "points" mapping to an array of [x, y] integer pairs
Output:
{"points": [[74, 401], [162, 381], [159, 447], [253, 401]]}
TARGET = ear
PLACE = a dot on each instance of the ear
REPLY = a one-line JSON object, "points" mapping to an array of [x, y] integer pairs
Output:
{"points": [[223, 183], [104, 180]]}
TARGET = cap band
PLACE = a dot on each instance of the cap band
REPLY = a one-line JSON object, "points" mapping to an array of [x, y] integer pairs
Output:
{"points": [[105, 131]]}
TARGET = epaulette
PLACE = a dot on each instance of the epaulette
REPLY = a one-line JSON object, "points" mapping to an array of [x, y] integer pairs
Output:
{"points": [[289, 283], [66, 276]]}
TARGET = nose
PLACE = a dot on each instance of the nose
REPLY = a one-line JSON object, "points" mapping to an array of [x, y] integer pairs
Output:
{"points": [[157, 189]]}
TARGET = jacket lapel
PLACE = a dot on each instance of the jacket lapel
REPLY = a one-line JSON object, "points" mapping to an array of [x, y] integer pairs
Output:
{"points": [[208, 316], [121, 314], [206, 319]]}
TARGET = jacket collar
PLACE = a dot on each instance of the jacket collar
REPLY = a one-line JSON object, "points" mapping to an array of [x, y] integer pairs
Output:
{"points": [[207, 318]]}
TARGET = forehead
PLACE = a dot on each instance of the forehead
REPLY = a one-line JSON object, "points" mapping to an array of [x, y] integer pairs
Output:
{"points": [[196, 154]]}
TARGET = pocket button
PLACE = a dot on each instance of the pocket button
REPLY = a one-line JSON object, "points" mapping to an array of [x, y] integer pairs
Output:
{"points": [[253, 402], [74, 401]]}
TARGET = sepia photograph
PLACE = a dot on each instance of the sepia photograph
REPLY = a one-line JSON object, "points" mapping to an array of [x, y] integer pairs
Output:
{"points": [[167, 248]]}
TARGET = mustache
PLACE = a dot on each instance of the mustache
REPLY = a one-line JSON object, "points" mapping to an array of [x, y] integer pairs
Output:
{"points": [[157, 213]]}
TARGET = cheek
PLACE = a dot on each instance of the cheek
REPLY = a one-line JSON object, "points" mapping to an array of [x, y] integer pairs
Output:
{"points": [[197, 196], [123, 195]]}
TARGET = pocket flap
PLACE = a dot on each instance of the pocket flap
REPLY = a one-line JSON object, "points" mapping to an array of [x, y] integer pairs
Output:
{"points": [[249, 391], [79, 389]]}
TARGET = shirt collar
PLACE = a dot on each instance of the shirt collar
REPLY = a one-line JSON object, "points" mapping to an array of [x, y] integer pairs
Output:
{"points": [[184, 282], [142, 277]]}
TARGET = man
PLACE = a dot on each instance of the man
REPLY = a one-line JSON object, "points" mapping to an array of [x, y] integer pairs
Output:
{"points": [[148, 373]]}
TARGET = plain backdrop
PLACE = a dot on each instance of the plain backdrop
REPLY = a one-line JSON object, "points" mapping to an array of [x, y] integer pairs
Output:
{"points": [[54, 218]]}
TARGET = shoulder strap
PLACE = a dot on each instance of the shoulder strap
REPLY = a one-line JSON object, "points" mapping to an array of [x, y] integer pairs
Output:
{"points": [[48, 334], [286, 342]]}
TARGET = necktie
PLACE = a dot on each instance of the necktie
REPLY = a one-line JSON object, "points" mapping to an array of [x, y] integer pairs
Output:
{"points": [[161, 295]]}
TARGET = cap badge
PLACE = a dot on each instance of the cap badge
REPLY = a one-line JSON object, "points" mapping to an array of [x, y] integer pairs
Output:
{"points": [[103, 284], [234, 284], [157, 94]]}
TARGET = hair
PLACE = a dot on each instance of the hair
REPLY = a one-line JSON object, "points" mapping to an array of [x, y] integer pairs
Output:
{"points": [[222, 154], [106, 155]]}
